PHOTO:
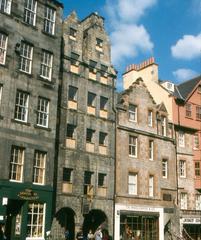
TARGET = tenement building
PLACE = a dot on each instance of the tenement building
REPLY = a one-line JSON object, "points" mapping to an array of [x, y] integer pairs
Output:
{"points": [[146, 180], [30, 37], [87, 127]]}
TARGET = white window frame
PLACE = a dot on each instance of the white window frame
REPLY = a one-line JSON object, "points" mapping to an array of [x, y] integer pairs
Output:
{"points": [[43, 112], [49, 20], [182, 168], [26, 57], [183, 200], [151, 185], [3, 47], [133, 144], [181, 139], [150, 118], [196, 141], [132, 113], [151, 150], [39, 168], [164, 126], [30, 12], [21, 106], [17, 164], [37, 218], [164, 168], [132, 183], [6, 5], [46, 65], [198, 202]]}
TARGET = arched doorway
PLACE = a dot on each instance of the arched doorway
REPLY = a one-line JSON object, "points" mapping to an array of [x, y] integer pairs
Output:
{"points": [[93, 220], [66, 219]]}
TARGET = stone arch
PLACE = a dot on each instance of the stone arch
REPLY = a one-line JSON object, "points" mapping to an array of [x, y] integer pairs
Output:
{"points": [[94, 219]]}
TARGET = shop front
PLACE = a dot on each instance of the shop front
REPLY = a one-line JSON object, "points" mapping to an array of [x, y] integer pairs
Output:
{"points": [[136, 222], [25, 210], [191, 227]]}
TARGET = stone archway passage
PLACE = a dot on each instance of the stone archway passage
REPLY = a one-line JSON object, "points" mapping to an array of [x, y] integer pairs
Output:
{"points": [[93, 220], [66, 220]]}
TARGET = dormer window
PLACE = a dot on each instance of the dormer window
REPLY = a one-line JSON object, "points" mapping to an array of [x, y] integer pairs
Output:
{"points": [[99, 44], [163, 125], [73, 34], [132, 113]]}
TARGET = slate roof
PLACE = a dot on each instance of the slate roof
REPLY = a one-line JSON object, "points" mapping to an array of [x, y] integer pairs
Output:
{"points": [[184, 89]]}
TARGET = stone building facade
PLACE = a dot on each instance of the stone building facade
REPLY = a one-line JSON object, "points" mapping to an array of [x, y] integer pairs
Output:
{"points": [[85, 185], [30, 37], [146, 183]]}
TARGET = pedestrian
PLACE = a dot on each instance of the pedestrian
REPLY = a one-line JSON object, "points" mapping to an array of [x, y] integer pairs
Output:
{"points": [[90, 235], [98, 234], [67, 234], [79, 235], [2, 235]]}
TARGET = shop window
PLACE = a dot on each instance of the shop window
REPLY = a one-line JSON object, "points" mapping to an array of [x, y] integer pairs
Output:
{"points": [[198, 202], [43, 112], [132, 183], [188, 110], [197, 169], [151, 149], [16, 164], [73, 34], [182, 168], [198, 112], [164, 168], [21, 106], [132, 111], [49, 20], [5, 6], [39, 167], [99, 44], [88, 183], [151, 186], [30, 12], [181, 139], [26, 57], [46, 65], [36, 220], [132, 146], [3, 47], [150, 118], [183, 200]]}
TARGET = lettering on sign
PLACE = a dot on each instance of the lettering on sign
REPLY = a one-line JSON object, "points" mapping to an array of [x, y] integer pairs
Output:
{"points": [[191, 220], [28, 194]]}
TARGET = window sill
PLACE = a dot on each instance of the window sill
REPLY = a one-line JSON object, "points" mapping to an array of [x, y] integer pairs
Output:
{"points": [[20, 122], [188, 117], [3, 65], [7, 14], [132, 156], [49, 34], [25, 73], [46, 83], [29, 25], [44, 128]]}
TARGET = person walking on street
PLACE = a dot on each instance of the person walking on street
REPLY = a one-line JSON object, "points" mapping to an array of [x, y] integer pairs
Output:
{"points": [[90, 235]]}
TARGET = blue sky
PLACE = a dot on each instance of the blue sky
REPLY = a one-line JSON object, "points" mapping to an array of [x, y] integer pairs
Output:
{"points": [[169, 30]]}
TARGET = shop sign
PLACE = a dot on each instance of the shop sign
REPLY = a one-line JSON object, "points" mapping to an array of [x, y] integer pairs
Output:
{"points": [[191, 220], [28, 194]]}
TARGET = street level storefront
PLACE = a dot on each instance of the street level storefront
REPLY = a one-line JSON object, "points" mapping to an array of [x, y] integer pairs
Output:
{"points": [[138, 222], [25, 210], [191, 226]]}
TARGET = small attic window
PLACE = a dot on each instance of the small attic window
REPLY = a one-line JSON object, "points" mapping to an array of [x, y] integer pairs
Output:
{"points": [[99, 44], [199, 88], [73, 33]]}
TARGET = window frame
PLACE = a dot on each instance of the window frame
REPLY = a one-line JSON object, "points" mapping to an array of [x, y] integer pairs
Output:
{"points": [[71, 128], [133, 113], [18, 164], [38, 156], [132, 183], [91, 132], [48, 22], [46, 65], [188, 110], [163, 126], [181, 139], [196, 143], [31, 12], [104, 175], [151, 150], [151, 186], [1, 93], [103, 103], [43, 115], [75, 93], [26, 59], [150, 118], [3, 46], [183, 201], [68, 176], [198, 113], [198, 202], [20, 109], [133, 145], [91, 103], [164, 168], [7, 6], [197, 166], [182, 168], [72, 33], [104, 135]]}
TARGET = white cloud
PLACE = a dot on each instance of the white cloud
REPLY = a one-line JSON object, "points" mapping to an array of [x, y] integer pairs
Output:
{"points": [[128, 38], [188, 48], [183, 74]]}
